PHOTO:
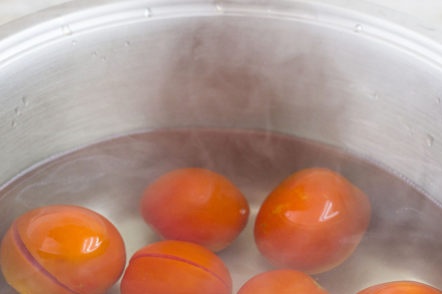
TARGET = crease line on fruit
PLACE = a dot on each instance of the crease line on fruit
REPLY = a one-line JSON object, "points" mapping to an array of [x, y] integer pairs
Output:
{"points": [[179, 259], [27, 254]]}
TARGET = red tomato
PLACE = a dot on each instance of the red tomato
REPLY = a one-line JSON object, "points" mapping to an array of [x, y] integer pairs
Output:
{"points": [[195, 205], [62, 249], [176, 267], [312, 221], [283, 281], [401, 287]]}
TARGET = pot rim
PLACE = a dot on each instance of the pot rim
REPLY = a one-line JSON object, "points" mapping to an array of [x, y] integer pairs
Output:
{"points": [[362, 19]]}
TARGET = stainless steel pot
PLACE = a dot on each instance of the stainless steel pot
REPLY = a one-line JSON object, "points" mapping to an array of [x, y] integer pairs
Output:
{"points": [[91, 70]]}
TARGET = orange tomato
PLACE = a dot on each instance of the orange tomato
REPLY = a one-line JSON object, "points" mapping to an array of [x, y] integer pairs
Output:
{"points": [[195, 205], [401, 287], [312, 221], [62, 249], [176, 267], [283, 281]]}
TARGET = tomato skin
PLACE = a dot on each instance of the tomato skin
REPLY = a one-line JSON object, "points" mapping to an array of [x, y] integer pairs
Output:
{"points": [[284, 281], [400, 287], [195, 205], [312, 221], [62, 249], [176, 267]]}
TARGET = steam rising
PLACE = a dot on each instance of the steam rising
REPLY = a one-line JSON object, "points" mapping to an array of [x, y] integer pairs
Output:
{"points": [[110, 177]]}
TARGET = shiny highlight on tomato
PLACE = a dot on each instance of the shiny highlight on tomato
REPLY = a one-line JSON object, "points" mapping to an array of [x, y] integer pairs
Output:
{"points": [[312, 221], [62, 249]]}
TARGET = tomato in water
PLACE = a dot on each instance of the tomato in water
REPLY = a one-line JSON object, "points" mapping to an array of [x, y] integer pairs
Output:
{"points": [[176, 267], [312, 221], [284, 281], [62, 249], [195, 205], [401, 287]]}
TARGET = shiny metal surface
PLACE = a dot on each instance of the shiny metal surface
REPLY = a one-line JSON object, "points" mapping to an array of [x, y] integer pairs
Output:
{"points": [[82, 73]]}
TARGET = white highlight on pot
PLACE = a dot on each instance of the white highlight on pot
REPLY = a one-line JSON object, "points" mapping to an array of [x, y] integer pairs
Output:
{"points": [[74, 42], [430, 140], [147, 12], [219, 7], [25, 101], [66, 30], [375, 97], [358, 28]]}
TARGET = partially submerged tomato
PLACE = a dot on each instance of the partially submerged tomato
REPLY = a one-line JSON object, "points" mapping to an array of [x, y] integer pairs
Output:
{"points": [[312, 221], [401, 287], [62, 249], [283, 281], [195, 205], [176, 267]]}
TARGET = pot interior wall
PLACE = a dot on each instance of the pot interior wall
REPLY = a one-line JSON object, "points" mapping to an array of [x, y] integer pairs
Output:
{"points": [[334, 85], [298, 76]]}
